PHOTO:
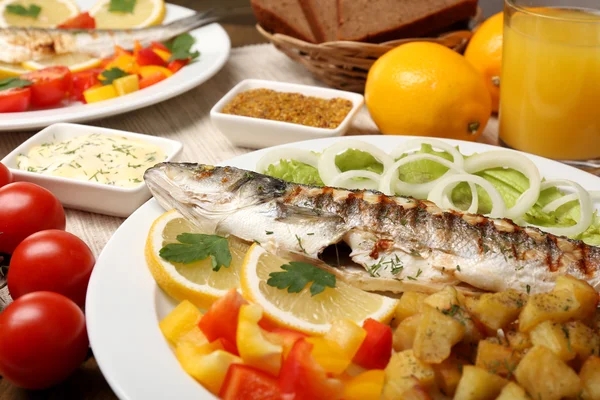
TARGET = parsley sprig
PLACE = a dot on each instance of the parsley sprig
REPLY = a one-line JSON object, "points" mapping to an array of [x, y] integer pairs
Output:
{"points": [[194, 247], [181, 48], [32, 11], [296, 275], [124, 6], [112, 74], [11, 83]]}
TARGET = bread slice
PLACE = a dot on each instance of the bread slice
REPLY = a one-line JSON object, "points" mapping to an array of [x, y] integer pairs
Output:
{"points": [[283, 16], [378, 21], [322, 16]]}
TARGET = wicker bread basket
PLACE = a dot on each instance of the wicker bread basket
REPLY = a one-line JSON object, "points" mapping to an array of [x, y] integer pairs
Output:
{"points": [[344, 65]]}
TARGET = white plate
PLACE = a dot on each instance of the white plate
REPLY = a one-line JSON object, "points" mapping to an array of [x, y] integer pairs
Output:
{"points": [[124, 304], [213, 43]]}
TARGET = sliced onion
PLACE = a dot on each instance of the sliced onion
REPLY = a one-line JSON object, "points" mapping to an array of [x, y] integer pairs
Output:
{"points": [[442, 190], [586, 209], [509, 159], [418, 190], [328, 170], [287, 153], [554, 205], [415, 144], [346, 180]]}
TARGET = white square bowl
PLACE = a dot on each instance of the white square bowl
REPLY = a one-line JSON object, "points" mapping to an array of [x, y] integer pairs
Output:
{"points": [[83, 195], [255, 132]]}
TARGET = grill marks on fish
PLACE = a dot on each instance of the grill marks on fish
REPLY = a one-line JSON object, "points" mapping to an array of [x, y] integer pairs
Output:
{"points": [[489, 254]]}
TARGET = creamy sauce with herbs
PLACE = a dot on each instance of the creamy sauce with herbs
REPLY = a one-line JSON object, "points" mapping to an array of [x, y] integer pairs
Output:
{"points": [[112, 160]]}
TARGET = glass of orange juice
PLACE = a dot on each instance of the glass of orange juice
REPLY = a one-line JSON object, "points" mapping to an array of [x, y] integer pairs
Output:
{"points": [[550, 84]]}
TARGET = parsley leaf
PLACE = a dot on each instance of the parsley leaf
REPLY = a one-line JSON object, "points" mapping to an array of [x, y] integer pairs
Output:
{"points": [[11, 83], [194, 247], [297, 275], [181, 47], [32, 11], [124, 6], [111, 74]]}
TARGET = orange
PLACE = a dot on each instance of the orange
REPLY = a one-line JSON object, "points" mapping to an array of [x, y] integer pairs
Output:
{"points": [[426, 89], [485, 53]]}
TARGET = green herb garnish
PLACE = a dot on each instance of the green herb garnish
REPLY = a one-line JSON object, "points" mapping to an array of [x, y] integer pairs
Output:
{"points": [[297, 275], [12, 83], [194, 247], [112, 74], [32, 11], [124, 6], [181, 48]]}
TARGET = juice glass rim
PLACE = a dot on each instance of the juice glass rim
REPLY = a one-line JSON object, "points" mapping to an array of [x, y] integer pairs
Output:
{"points": [[531, 11]]}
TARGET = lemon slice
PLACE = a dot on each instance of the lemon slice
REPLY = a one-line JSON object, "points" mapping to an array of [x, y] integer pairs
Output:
{"points": [[10, 70], [75, 61], [145, 13], [196, 282], [52, 13], [302, 311]]}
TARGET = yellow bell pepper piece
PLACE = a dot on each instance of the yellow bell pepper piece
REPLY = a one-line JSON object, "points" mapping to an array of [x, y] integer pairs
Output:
{"points": [[126, 62], [252, 344], [165, 55], [101, 93], [180, 321], [329, 355], [348, 335], [127, 84], [366, 386], [148, 70]]}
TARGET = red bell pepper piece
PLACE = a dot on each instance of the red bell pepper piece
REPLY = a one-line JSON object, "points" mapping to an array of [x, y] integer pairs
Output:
{"points": [[147, 56], [159, 46], [152, 79], [246, 383], [288, 337], [82, 81], [80, 21], [176, 65], [119, 51], [301, 378], [376, 350], [221, 320]]}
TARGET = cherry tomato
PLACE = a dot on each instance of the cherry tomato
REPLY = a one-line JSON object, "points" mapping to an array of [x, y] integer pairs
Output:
{"points": [[82, 81], [15, 100], [25, 209], [80, 21], [5, 175], [43, 339], [50, 85], [52, 260]]}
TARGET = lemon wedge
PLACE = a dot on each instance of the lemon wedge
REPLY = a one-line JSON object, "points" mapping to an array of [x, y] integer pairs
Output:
{"points": [[10, 70], [51, 13], [75, 61], [145, 13], [302, 311], [196, 282]]}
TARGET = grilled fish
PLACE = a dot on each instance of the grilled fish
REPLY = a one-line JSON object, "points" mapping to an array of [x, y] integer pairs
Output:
{"points": [[31, 44], [400, 243]]}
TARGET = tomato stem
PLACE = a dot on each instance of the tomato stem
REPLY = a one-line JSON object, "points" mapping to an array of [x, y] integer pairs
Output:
{"points": [[473, 127]]}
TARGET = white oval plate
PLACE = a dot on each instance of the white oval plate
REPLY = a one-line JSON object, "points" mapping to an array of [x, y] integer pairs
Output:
{"points": [[124, 305], [211, 41]]}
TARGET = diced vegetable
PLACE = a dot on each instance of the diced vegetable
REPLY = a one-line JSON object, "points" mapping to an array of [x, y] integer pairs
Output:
{"points": [[410, 303], [152, 79], [252, 345], [445, 299], [84, 80], [583, 292], [159, 46], [512, 391], [518, 340], [147, 56], [285, 338], [366, 386], [478, 384], [436, 335], [582, 339], [404, 336], [180, 321], [329, 355], [246, 383], [496, 358], [544, 375], [590, 378], [497, 310], [376, 349], [119, 51], [101, 93], [221, 319], [348, 335], [163, 54], [557, 306], [195, 337], [125, 62], [406, 364], [176, 65], [127, 84], [448, 374], [147, 70], [554, 337], [15, 100], [80, 21]]}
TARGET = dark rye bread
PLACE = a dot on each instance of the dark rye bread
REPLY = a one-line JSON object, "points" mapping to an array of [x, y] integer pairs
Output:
{"points": [[378, 21], [322, 16], [283, 16]]}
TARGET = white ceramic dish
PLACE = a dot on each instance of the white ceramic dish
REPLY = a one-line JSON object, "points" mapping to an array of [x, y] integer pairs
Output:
{"points": [[88, 196], [123, 313], [257, 133], [213, 43]]}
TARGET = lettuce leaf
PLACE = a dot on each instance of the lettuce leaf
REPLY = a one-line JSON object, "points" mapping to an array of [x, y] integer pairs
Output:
{"points": [[296, 172]]}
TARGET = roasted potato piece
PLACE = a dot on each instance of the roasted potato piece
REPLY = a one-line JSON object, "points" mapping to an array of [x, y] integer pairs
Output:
{"points": [[447, 374], [404, 335], [512, 391], [554, 337], [406, 364], [590, 378], [497, 310], [407, 387], [557, 306], [582, 339], [445, 298], [518, 340], [436, 334], [410, 303], [497, 359], [583, 292], [478, 384], [545, 376]]}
